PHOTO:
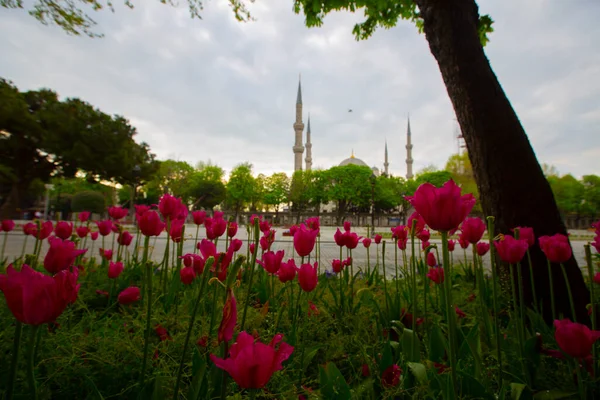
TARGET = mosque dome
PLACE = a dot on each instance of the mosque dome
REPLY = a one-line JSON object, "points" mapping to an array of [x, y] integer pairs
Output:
{"points": [[354, 161]]}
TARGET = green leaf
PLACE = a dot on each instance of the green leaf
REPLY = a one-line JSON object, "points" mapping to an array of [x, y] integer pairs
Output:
{"points": [[519, 391], [308, 356], [387, 357], [419, 371], [411, 348], [554, 394], [332, 382], [437, 344]]}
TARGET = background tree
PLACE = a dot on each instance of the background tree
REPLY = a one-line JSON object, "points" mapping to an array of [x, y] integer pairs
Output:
{"points": [[492, 131], [591, 195], [317, 189], [258, 192], [349, 186], [277, 189], [44, 137], [459, 167], [568, 193], [240, 188], [205, 186], [299, 194]]}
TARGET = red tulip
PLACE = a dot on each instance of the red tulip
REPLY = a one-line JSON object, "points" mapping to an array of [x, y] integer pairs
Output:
{"points": [[436, 274], [463, 242], [337, 266], [94, 235], [399, 232], [287, 271], [207, 248], [140, 209], [304, 240], [472, 229], [187, 275], [271, 261], [176, 231], [424, 235], [194, 261], [115, 269], [312, 309], [451, 244], [199, 217], [236, 244], [293, 230], [222, 264], [105, 227], [483, 248], [129, 295], [7, 225], [510, 249], [252, 248], [264, 226], [45, 231], [229, 318], [150, 223], [351, 240], [391, 376], [215, 227], [169, 206], [556, 248], [162, 333], [339, 237], [526, 234], [597, 278], [255, 218], [347, 226], [377, 239], [366, 242], [425, 245], [574, 339], [365, 371], [402, 244], [232, 229], [125, 238], [267, 240], [35, 298], [459, 313], [61, 255], [431, 261], [596, 243], [420, 222], [307, 277], [117, 213], [106, 254], [443, 209], [83, 216], [313, 223], [29, 229], [82, 231], [251, 364]]}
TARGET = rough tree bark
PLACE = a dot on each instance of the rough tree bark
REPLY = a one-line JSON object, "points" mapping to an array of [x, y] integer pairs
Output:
{"points": [[510, 180]]}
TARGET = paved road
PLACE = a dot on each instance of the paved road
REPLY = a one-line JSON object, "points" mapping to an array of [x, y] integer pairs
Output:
{"points": [[329, 250]]}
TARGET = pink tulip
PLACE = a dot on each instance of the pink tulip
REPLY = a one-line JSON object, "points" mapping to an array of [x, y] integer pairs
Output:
{"points": [[225, 333], [129, 295], [82, 231], [199, 217], [347, 226], [574, 339], [61, 255], [236, 244], [251, 364], [443, 209], [287, 271], [451, 244], [472, 229], [556, 248], [304, 240], [482, 248], [232, 229], [150, 224], [391, 376], [377, 239], [187, 275], [117, 213], [313, 223], [115, 269], [424, 235], [510, 249], [7, 225], [94, 235], [415, 216], [83, 216], [436, 274], [307, 277], [207, 248], [125, 238], [366, 242], [271, 261], [105, 227], [431, 261], [526, 234], [63, 230]]}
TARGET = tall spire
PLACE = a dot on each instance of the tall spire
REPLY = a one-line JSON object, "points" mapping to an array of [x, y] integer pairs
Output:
{"points": [[386, 164], [409, 146], [299, 96], [308, 146], [298, 128]]}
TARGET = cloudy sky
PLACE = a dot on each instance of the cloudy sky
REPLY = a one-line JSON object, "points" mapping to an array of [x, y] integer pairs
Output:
{"points": [[216, 89]]}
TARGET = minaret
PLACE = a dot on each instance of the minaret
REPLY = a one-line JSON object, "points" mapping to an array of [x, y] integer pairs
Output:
{"points": [[409, 160], [308, 146], [298, 128], [386, 164]]}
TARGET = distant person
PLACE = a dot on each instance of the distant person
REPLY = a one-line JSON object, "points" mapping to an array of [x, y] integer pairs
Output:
{"points": [[38, 215]]}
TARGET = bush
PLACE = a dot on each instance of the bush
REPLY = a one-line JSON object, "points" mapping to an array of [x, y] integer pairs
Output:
{"points": [[88, 201]]}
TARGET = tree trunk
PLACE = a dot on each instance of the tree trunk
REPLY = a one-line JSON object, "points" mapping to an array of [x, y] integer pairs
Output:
{"points": [[510, 180], [13, 202]]}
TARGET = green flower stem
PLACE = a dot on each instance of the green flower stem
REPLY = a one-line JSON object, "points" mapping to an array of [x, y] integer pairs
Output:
{"points": [[588, 259], [564, 271], [148, 267], [368, 263], [377, 255], [24, 246], [30, 361], [196, 240], [413, 272], [397, 283], [252, 268], [551, 290], [14, 360], [387, 305], [205, 275], [319, 252], [521, 306], [490, 229], [137, 244], [449, 310], [535, 299], [213, 312], [165, 273]]}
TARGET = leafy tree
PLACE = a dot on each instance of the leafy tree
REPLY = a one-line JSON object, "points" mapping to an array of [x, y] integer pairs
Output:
{"points": [[240, 187], [72, 18], [568, 192], [205, 193], [258, 192], [436, 178], [44, 137], [509, 178], [350, 187], [172, 176], [459, 166], [591, 194], [299, 194], [277, 188], [388, 193], [88, 201], [317, 188]]}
